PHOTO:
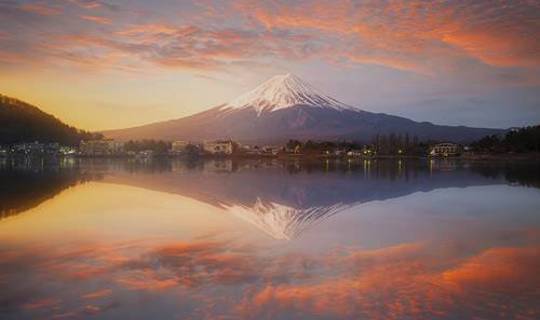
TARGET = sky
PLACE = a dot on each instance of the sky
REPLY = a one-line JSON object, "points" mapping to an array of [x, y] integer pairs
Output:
{"points": [[100, 64]]}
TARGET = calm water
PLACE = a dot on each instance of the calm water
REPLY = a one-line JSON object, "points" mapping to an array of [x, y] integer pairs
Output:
{"points": [[268, 240]]}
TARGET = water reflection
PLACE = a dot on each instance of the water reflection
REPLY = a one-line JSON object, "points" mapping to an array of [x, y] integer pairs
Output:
{"points": [[280, 198], [202, 240], [27, 183]]}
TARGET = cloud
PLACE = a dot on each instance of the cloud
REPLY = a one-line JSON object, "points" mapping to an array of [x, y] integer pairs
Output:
{"points": [[442, 37], [404, 34], [87, 4], [410, 280], [41, 303], [94, 5], [96, 19], [401, 282], [41, 8], [97, 294], [191, 265]]}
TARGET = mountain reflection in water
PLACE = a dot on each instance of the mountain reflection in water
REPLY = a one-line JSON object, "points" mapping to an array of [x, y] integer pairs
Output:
{"points": [[203, 240], [280, 198]]}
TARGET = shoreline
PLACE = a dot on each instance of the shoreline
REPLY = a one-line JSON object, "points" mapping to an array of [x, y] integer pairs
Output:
{"points": [[294, 157]]}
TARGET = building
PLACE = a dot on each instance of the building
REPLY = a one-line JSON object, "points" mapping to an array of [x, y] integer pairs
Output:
{"points": [[106, 147], [52, 148], [67, 151], [271, 150], [179, 146], [28, 148], [355, 153], [224, 147], [445, 149]]}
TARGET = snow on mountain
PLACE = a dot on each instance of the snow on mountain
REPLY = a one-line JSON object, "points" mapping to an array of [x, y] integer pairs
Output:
{"points": [[281, 92], [282, 222]]}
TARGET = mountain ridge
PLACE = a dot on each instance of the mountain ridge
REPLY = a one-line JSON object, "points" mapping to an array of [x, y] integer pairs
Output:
{"points": [[286, 107]]}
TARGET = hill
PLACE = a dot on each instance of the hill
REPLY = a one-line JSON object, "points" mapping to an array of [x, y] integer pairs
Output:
{"points": [[23, 122]]}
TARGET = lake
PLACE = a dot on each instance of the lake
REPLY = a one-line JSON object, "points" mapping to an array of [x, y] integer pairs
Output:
{"points": [[220, 239]]}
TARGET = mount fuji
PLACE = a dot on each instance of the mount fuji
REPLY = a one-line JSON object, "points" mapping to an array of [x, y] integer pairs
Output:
{"points": [[287, 107]]}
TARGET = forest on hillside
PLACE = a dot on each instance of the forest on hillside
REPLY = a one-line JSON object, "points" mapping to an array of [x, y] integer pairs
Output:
{"points": [[526, 139], [22, 122]]}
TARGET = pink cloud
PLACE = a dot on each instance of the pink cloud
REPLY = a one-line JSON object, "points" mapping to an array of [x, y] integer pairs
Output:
{"points": [[96, 19], [97, 294], [42, 303], [402, 33]]}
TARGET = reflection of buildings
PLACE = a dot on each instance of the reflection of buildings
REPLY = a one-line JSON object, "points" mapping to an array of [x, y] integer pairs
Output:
{"points": [[443, 164], [178, 147], [218, 166]]}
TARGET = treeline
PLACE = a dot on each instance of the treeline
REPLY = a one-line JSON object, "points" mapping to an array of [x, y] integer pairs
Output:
{"points": [[157, 146], [22, 122], [522, 140], [392, 144]]}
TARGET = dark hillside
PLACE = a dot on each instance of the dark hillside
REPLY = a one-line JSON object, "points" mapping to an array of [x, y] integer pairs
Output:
{"points": [[22, 122]]}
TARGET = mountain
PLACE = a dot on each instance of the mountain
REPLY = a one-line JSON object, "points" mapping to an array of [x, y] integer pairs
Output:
{"points": [[286, 107], [22, 122]]}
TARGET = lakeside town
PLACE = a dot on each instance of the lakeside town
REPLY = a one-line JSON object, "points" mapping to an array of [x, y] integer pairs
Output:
{"points": [[517, 142], [221, 148]]}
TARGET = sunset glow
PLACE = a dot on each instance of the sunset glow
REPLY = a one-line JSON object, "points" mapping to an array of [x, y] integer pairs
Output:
{"points": [[156, 61], [275, 159]]}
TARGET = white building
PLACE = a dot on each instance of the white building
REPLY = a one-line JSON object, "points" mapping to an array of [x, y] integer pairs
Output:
{"points": [[218, 147], [106, 147], [445, 149]]}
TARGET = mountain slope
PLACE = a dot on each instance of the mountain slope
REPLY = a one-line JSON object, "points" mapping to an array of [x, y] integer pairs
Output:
{"points": [[22, 122], [285, 107]]}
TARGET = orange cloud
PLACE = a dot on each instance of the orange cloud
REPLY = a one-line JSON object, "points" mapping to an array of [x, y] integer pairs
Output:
{"points": [[410, 280], [402, 34], [98, 294], [510, 269], [402, 282], [146, 280], [88, 4], [156, 29], [96, 19], [497, 49]]}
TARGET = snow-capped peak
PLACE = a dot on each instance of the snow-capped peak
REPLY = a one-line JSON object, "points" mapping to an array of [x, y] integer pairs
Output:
{"points": [[283, 91]]}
